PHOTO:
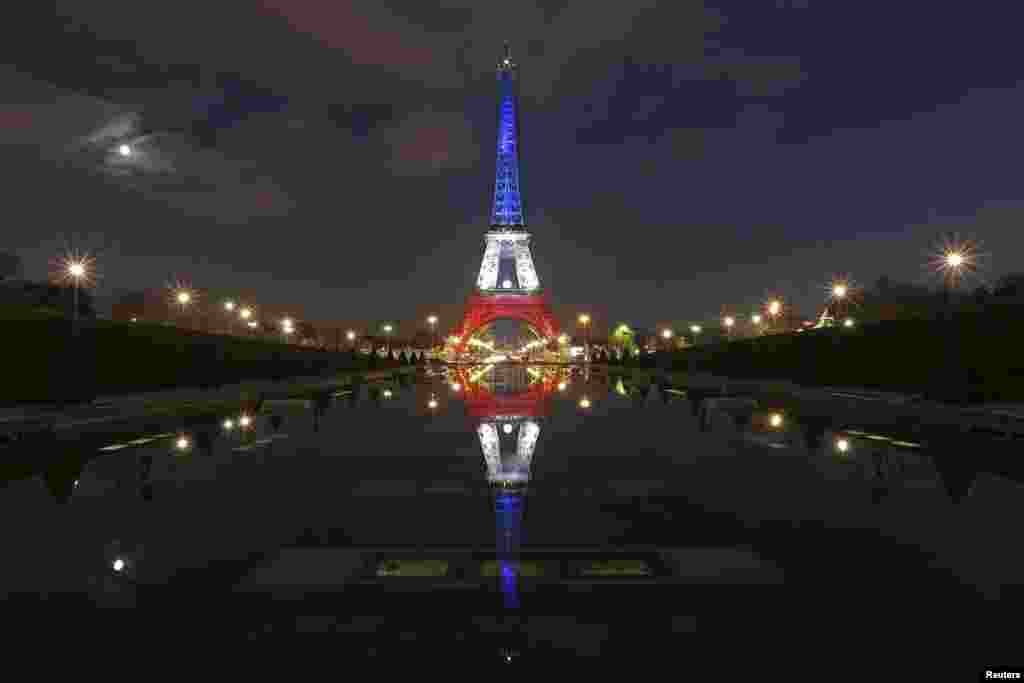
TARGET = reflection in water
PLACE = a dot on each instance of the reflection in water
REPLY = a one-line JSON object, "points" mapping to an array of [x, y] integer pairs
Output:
{"points": [[507, 404]]}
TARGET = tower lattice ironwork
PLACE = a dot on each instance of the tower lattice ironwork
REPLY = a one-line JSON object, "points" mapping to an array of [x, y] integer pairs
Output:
{"points": [[507, 285]]}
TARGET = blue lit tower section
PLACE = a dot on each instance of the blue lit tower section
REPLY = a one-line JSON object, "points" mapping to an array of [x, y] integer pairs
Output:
{"points": [[507, 210], [508, 510]]}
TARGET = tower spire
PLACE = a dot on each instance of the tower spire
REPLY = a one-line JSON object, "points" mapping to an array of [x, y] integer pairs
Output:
{"points": [[507, 209]]}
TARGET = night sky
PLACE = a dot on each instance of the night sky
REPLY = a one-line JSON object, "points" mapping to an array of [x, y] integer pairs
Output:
{"points": [[337, 158]]}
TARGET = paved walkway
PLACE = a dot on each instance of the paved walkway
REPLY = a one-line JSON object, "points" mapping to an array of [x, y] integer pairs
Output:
{"points": [[107, 408]]}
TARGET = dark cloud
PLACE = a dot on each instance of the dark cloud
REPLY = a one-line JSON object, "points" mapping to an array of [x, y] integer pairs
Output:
{"points": [[341, 153]]}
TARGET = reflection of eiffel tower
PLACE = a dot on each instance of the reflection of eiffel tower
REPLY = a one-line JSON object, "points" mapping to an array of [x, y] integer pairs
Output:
{"points": [[507, 405]]}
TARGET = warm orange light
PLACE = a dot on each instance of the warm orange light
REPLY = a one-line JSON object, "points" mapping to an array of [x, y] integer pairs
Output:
{"points": [[584, 319], [775, 420], [584, 402], [184, 297], [774, 307]]}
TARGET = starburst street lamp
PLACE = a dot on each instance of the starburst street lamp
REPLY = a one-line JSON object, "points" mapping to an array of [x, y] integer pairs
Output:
{"points": [[955, 259]]}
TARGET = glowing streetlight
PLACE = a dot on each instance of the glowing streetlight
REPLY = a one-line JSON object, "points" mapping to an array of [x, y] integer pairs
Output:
{"points": [[244, 421], [387, 331], [561, 386], [839, 290], [667, 334], [229, 424], [848, 322], [183, 298], [756, 319], [245, 313], [584, 402], [456, 387], [124, 150], [775, 420], [842, 445], [387, 393], [118, 565], [432, 403], [229, 306], [507, 428], [182, 443]]}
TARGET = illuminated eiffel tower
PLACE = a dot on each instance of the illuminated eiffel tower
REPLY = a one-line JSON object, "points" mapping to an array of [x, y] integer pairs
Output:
{"points": [[507, 286]]}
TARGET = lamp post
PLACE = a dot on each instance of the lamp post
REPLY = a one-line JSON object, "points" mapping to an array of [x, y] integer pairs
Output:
{"points": [[245, 314], [387, 333], [351, 336], [952, 263], [728, 321], [696, 331], [77, 272], [774, 307], [287, 327], [584, 320], [666, 334], [183, 297], [229, 306], [432, 321], [839, 292], [756, 319]]}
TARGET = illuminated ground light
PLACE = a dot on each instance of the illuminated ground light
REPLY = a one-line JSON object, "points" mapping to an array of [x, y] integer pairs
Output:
{"points": [[775, 420], [842, 445], [229, 424], [584, 402], [387, 393], [507, 428], [561, 386], [118, 565], [244, 421], [182, 443], [456, 386]]}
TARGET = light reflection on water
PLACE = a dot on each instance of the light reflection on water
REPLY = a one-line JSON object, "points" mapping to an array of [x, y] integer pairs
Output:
{"points": [[506, 414]]}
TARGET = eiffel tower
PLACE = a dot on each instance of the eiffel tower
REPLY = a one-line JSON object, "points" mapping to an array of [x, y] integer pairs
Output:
{"points": [[507, 286]]}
